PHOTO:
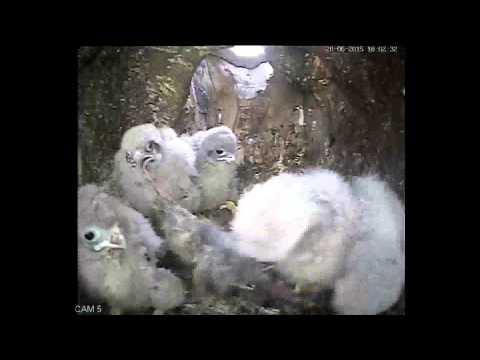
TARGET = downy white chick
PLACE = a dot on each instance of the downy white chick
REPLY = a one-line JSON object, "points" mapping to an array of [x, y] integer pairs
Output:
{"points": [[314, 227], [215, 162], [375, 267], [153, 164], [116, 256]]}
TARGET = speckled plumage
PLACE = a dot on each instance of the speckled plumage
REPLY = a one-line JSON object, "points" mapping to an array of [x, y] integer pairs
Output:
{"points": [[218, 269], [124, 276]]}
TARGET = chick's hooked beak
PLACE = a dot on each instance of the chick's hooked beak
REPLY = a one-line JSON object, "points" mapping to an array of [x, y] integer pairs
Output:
{"points": [[228, 158], [116, 240]]}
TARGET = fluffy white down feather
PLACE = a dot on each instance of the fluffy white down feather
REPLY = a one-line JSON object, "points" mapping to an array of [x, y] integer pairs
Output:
{"points": [[273, 216], [172, 173], [323, 232], [217, 178], [375, 268], [126, 278]]}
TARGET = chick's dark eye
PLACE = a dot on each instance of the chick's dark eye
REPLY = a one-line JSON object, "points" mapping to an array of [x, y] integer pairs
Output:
{"points": [[89, 235], [152, 147], [149, 147], [219, 152]]}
